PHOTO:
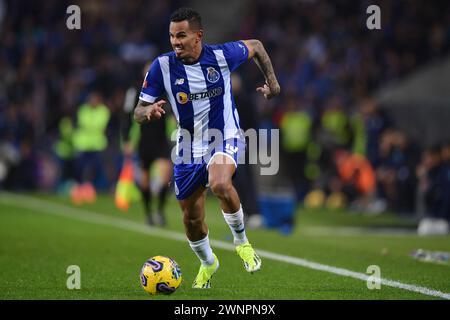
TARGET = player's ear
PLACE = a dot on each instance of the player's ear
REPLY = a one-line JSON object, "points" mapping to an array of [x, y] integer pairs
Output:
{"points": [[199, 35]]}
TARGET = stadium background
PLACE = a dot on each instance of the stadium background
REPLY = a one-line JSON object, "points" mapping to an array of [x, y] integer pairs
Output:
{"points": [[379, 94]]}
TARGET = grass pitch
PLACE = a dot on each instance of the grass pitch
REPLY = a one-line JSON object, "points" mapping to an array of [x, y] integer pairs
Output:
{"points": [[41, 235]]}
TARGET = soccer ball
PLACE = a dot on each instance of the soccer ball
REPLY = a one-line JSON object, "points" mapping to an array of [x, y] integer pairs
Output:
{"points": [[160, 275]]}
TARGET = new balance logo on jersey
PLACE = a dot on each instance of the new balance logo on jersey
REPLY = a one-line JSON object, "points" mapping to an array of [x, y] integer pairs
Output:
{"points": [[230, 149], [179, 81]]}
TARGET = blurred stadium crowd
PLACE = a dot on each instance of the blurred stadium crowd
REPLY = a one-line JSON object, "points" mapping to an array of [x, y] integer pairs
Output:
{"points": [[338, 145]]}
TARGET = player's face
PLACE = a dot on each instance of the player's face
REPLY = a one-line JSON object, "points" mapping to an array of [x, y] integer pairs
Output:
{"points": [[185, 41]]}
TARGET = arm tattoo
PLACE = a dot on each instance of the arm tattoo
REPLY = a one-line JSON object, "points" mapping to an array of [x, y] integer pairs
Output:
{"points": [[140, 112], [263, 62]]}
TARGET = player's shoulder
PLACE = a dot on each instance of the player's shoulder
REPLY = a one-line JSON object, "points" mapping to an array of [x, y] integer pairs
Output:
{"points": [[227, 45], [169, 56]]}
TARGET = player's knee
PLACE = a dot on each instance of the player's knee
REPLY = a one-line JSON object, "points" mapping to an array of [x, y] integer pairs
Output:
{"points": [[220, 188], [192, 223]]}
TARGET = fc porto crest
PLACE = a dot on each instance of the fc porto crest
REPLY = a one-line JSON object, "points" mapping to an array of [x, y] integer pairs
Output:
{"points": [[213, 75]]}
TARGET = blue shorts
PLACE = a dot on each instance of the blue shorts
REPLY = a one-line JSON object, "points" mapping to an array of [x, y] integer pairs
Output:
{"points": [[191, 176]]}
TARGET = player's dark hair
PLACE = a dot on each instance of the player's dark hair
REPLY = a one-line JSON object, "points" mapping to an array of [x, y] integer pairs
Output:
{"points": [[193, 17]]}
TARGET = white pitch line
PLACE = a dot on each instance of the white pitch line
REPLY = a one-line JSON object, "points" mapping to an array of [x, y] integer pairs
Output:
{"points": [[45, 206], [357, 231]]}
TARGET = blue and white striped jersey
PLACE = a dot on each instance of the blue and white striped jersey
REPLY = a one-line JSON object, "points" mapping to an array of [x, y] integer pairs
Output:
{"points": [[200, 93]]}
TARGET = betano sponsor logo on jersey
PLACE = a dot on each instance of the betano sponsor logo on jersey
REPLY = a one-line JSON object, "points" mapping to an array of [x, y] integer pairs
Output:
{"points": [[183, 97]]}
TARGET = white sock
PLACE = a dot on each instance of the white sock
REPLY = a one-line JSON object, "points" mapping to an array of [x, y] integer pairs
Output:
{"points": [[203, 250], [236, 223]]}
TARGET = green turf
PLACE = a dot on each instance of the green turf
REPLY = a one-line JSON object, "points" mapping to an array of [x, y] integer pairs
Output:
{"points": [[37, 247]]}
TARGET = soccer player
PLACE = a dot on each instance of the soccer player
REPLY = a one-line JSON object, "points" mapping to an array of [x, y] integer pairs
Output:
{"points": [[196, 79]]}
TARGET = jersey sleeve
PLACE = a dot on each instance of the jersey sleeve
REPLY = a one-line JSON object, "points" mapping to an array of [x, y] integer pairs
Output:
{"points": [[236, 53], [153, 86]]}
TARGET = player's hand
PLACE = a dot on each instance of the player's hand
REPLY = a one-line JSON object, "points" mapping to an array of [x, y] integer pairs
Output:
{"points": [[155, 111], [267, 92]]}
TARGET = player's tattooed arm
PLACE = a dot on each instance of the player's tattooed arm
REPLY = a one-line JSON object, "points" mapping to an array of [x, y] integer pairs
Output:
{"points": [[258, 53], [145, 111]]}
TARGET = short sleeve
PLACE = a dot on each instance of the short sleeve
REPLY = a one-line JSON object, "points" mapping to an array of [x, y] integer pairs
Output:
{"points": [[153, 86], [235, 53]]}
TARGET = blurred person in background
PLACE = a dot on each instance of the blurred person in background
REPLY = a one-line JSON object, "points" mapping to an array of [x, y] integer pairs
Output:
{"points": [[332, 133], [406, 156], [353, 183], [386, 170], [19, 155], [335, 124], [375, 122], [153, 148], [445, 156], [433, 191], [89, 142], [395, 171], [65, 152], [244, 182], [296, 126]]}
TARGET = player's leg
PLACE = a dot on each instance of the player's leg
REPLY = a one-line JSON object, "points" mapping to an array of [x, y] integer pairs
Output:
{"points": [[165, 169], [144, 187], [193, 209], [76, 191], [220, 172]]}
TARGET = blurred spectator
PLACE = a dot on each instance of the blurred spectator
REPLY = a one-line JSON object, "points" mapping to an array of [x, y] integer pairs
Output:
{"points": [[434, 191], [17, 140], [395, 172], [428, 173], [356, 179], [296, 132], [22, 174], [445, 156], [334, 127], [152, 145], [89, 141], [406, 157], [244, 181], [375, 122], [65, 151]]}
